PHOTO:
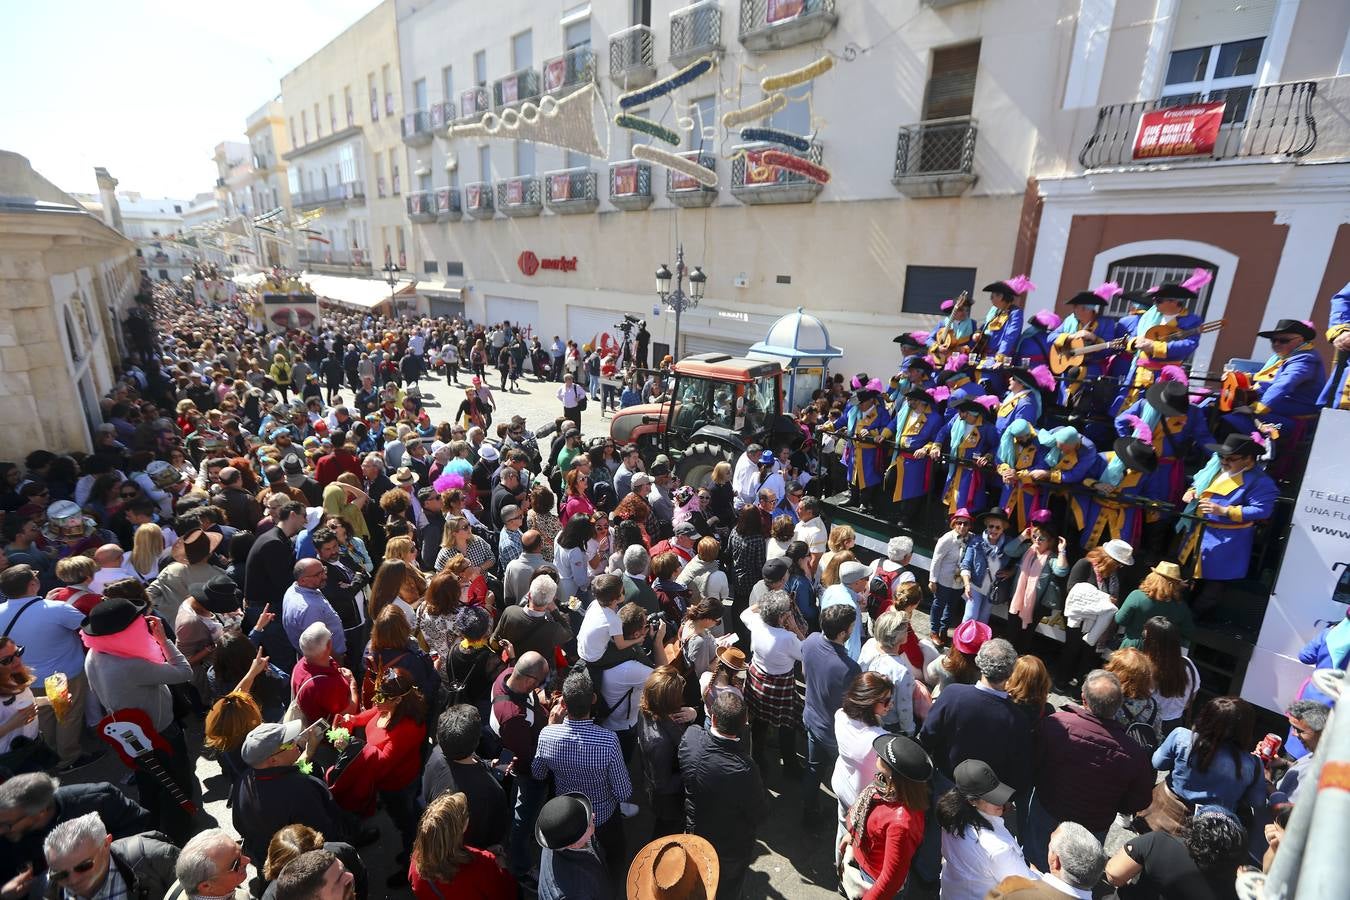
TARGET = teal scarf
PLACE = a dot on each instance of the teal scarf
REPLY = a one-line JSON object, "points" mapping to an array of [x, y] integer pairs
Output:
{"points": [[1007, 444], [1051, 438]]}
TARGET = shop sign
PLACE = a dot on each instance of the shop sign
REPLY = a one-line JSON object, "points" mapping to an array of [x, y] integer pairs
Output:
{"points": [[529, 263], [1190, 130]]}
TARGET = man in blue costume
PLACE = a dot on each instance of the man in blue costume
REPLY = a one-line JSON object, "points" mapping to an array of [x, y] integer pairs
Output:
{"points": [[1336, 393], [1287, 387]]}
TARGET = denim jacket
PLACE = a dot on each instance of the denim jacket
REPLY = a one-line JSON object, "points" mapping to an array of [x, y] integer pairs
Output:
{"points": [[976, 562]]}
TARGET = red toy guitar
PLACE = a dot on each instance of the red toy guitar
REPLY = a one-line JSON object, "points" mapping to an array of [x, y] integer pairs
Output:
{"points": [[133, 736]]}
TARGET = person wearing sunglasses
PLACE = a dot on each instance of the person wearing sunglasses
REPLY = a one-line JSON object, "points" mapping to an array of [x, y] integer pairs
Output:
{"points": [[212, 864], [1286, 388], [83, 861]]}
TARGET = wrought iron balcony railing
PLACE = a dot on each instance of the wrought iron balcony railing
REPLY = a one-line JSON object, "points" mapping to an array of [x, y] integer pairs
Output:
{"points": [[685, 191], [417, 128], [775, 24], [440, 116], [630, 184], [1275, 121], [695, 30], [572, 191], [935, 158], [420, 206], [520, 196], [478, 200], [632, 56], [517, 87], [448, 207], [571, 70], [352, 261], [753, 182], [473, 103], [353, 194]]}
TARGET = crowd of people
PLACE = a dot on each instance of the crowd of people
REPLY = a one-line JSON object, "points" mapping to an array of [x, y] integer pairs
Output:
{"points": [[561, 672]]}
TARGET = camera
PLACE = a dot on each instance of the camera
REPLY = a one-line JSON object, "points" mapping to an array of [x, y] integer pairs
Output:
{"points": [[655, 619], [628, 322]]}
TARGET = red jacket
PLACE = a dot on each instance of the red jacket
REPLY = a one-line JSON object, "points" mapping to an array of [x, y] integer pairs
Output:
{"points": [[891, 835], [329, 467], [390, 761], [478, 879], [1088, 770]]}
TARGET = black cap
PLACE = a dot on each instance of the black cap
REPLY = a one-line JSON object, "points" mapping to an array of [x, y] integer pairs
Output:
{"points": [[977, 780], [1171, 398], [775, 569], [1136, 454], [1137, 299], [1018, 373], [1236, 445], [1085, 298], [1289, 326], [995, 512], [111, 615], [1171, 291], [562, 821], [904, 756]]}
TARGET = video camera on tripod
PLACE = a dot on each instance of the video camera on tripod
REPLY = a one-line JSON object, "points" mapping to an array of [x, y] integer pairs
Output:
{"points": [[628, 324]]}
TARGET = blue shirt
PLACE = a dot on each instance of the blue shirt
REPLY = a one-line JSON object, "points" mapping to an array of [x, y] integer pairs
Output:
{"points": [[828, 672], [584, 757], [509, 545], [1231, 779], [301, 607], [49, 634], [837, 594], [573, 875]]}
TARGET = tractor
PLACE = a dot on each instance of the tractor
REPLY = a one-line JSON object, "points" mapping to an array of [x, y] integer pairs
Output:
{"points": [[717, 407]]}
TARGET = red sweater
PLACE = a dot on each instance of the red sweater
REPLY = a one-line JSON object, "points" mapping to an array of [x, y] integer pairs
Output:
{"points": [[479, 879], [891, 836], [329, 467], [390, 761]]}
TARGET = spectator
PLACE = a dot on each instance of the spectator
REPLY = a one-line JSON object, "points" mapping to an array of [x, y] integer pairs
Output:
{"points": [[660, 727], [293, 840], [454, 766], [520, 710], [536, 625], [138, 866], [315, 874], [886, 822], [1209, 762], [304, 604], [977, 849], [519, 572], [1075, 866], [211, 864], [1175, 678], [882, 655], [321, 687], [776, 647], [570, 867], [269, 573], [849, 591], [704, 575], [1158, 595], [1200, 863]]}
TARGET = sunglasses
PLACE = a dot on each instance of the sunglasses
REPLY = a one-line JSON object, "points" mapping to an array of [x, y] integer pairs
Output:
{"points": [[78, 869], [238, 860], [6, 660], [130, 495]]}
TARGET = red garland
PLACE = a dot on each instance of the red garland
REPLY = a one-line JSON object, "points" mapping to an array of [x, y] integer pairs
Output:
{"points": [[794, 164]]}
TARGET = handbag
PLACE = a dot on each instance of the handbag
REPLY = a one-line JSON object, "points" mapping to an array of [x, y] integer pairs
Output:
{"points": [[1167, 812]]}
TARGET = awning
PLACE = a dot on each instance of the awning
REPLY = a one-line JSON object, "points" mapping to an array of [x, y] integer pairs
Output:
{"points": [[250, 281], [440, 290], [362, 293]]}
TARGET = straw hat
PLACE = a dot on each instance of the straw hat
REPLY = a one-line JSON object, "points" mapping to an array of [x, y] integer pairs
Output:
{"points": [[1167, 570], [677, 867]]}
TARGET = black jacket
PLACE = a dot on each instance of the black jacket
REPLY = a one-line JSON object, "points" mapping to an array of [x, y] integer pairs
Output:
{"points": [[121, 815], [429, 541], [145, 863], [267, 800], [723, 794], [268, 572]]}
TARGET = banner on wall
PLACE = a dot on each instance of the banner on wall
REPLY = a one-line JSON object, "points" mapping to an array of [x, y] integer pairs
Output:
{"points": [[1312, 589], [1190, 130]]}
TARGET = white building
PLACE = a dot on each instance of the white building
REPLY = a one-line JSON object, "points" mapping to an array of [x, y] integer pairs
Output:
{"points": [[268, 187], [152, 223]]}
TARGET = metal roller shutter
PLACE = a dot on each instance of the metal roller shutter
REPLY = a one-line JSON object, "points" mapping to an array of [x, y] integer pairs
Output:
{"points": [[698, 343]]}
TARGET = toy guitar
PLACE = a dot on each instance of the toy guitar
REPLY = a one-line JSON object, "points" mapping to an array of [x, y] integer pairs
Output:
{"points": [[133, 736]]}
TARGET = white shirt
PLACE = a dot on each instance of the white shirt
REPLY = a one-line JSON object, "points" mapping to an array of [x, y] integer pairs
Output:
{"points": [[979, 859], [897, 671], [745, 480], [775, 649], [1066, 889], [857, 761], [104, 577], [20, 701], [621, 689], [598, 625], [1170, 708], [812, 534]]}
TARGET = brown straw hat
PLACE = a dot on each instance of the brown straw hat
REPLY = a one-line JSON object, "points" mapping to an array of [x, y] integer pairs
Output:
{"points": [[677, 867]]}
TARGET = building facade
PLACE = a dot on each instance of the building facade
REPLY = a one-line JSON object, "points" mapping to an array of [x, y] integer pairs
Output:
{"points": [[269, 188], [342, 108], [67, 280]]}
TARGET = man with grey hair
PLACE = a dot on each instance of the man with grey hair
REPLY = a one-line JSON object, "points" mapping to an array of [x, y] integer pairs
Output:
{"points": [[33, 803], [637, 586], [83, 861], [1087, 769], [519, 571], [1307, 720], [303, 604], [1076, 860], [212, 866], [536, 625], [321, 687]]}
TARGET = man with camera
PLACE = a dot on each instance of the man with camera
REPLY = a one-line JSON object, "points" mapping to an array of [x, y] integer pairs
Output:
{"points": [[621, 689], [345, 591]]}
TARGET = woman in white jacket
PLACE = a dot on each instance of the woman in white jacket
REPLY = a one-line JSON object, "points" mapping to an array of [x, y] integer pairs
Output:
{"points": [[857, 723]]}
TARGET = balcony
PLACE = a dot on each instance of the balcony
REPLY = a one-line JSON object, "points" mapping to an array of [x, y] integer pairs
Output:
{"points": [[753, 183], [440, 116], [774, 24], [630, 184], [682, 190], [332, 196], [421, 207], [478, 200], [632, 57], [261, 163], [335, 262], [563, 74], [417, 128], [1272, 122], [520, 197], [448, 208], [935, 158], [571, 191], [695, 30], [473, 103], [517, 87]]}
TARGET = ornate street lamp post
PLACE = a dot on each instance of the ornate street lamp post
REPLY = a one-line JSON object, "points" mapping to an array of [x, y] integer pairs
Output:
{"points": [[676, 298]]}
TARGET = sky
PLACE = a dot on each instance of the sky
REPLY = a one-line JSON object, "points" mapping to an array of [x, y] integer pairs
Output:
{"points": [[147, 88]]}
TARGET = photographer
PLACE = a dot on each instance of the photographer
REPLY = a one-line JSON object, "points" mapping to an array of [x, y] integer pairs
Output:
{"points": [[621, 690]]}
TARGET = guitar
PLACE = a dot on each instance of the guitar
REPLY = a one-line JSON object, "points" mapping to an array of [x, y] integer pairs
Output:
{"points": [[1075, 351], [1236, 390], [134, 737]]}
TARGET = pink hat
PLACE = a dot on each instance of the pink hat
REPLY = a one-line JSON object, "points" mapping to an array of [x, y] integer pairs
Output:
{"points": [[961, 513], [970, 636], [1040, 517]]}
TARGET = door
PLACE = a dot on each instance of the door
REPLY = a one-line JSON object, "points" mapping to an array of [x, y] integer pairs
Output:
{"points": [[950, 95], [698, 343], [586, 325], [524, 313]]}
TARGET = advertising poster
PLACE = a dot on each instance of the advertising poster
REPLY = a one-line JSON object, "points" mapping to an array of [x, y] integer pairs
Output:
{"points": [[625, 179], [560, 187], [1179, 131], [515, 192], [1313, 587], [555, 73], [778, 10]]}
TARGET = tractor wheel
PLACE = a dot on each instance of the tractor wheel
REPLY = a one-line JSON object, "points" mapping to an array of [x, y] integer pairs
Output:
{"points": [[695, 467]]}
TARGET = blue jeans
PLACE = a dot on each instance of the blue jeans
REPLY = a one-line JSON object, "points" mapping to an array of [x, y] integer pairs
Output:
{"points": [[529, 798], [947, 604], [593, 386], [821, 751], [978, 608]]}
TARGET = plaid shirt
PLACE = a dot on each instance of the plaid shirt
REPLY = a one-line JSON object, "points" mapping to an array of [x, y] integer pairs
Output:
{"points": [[585, 758]]}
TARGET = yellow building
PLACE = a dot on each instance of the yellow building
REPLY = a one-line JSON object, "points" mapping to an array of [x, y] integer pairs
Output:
{"points": [[66, 281]]}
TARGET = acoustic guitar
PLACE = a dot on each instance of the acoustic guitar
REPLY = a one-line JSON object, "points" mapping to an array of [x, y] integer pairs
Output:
{"points": [[1075, 351], [1236, 390]]}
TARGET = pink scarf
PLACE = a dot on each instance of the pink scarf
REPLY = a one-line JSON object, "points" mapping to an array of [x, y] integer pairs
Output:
{"points": [[133, 642], [1023, 603]]}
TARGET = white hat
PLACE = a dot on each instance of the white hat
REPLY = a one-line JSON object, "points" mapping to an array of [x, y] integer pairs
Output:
{"points": [[488, 453], [1120, 551]]}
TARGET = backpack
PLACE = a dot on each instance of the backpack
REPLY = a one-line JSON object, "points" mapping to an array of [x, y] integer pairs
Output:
{"points": [[881, 591], [1138, 726]]}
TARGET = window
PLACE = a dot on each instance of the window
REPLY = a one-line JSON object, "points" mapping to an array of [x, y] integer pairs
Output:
{"points": [[393, 169], [484, 163], [705, 117], [430, 267], [374, 98], [577, 34], [388, 91], [1220, 72], [332, 114], [293, 180], [304, 125], [178, 209], [927, 286], [951, 83], [448, 83], [292, 131], [424, 182], [454, 268], [347, 103], [574, 160], [379, 174], [522, 50], [420, 94], [480, 68], [1139, 273], [318, 122], [642, 12], [347, 164], [794, 118], [524, 158]]}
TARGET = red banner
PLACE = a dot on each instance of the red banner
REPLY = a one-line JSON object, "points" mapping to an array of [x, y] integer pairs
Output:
{"points": [[555, 73], [1178, 131], [778, 10]]}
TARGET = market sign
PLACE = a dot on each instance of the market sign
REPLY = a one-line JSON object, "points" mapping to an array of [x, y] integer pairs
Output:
{"points": [[1190, 130], [529, 263]]}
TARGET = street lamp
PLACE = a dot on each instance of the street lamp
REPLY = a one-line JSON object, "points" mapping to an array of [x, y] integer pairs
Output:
{"points": [[677, 299], [391, 278]]}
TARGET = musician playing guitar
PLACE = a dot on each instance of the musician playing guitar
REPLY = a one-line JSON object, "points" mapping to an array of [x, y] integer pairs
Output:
{"points": [[1159, 340], [997, 338], [1085, 325], [955, 333], [1287, 386]]}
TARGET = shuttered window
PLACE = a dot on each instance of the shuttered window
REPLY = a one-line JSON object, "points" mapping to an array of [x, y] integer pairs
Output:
{"points": [[927, 286], [1204, 23], [951, 85]]}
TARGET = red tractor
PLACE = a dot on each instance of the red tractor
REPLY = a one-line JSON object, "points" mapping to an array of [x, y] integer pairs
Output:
{"points": [[717, 407]]}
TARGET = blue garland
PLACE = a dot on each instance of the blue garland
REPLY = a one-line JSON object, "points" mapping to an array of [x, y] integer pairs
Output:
{"points": [[647, 126], [776, 136], [669, 85]]}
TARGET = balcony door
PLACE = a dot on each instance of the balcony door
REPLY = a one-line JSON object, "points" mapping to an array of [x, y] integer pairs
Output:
{"points": [[950, 95]]}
